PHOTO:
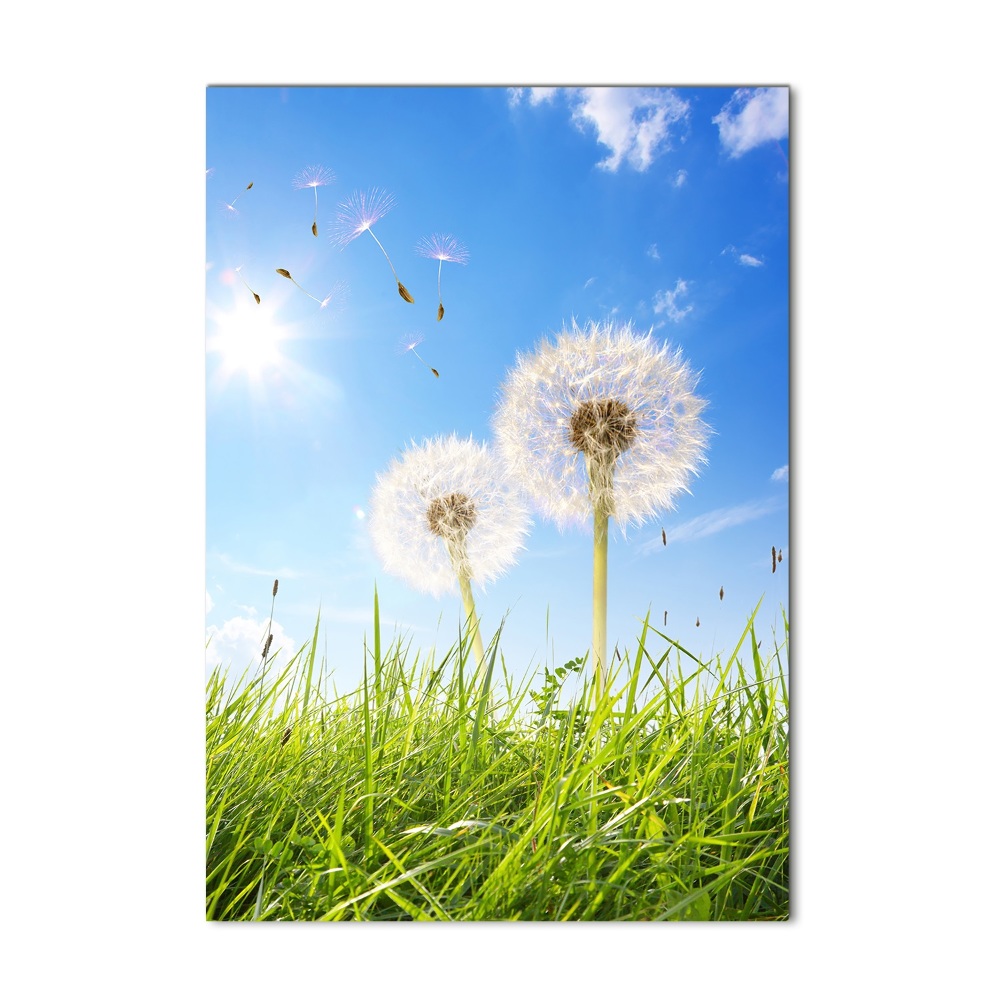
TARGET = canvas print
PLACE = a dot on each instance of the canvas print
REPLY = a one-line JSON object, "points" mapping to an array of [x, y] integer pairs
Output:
{"points": [[497, 513]]}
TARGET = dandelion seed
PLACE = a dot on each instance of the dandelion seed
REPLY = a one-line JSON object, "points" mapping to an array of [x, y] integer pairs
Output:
{"points": [[442, 248], [601, 423], [231, 205], [322, 302], [774, 559], [721, 593], [697, 623], [409, 345], [315, 178], [358, 214], [663, 535], [239, 271], [779, 555]]}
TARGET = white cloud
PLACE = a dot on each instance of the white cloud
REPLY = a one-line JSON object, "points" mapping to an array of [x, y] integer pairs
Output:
{"points": [[780, 475], [712, 523], [653, 252], [535, 95], [238, 642], [633, 122], [283, 573], [589, 282], [681, 178], [752, 117], [747, 261], [667, 302]]}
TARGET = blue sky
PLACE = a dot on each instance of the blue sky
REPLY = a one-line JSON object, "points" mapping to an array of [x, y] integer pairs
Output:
{"points": [[663, 207]]}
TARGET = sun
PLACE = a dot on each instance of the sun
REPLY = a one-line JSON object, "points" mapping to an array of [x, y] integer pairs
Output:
{"points": [[246, 340]]}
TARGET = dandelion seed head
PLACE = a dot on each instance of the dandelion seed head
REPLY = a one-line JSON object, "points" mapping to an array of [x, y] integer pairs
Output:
{"points": [[360, 212], [443, 247], [601, 416], [313, 177], [446, 491]]}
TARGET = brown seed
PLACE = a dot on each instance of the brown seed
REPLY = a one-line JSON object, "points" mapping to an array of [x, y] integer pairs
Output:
{"points": [[255, 295], [697, 623], [440, 313], [407, 297], [722, 591], [283, 273], [779, 555], [315, 230], [287, 735], [602, 426], [774, 559], [451, 515], [250, 185], [663, 533], [437, 374]]}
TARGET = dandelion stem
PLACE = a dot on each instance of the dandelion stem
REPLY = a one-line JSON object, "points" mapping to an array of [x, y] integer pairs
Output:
{"points": [[600, 596], [402, 288], [469, 606]]}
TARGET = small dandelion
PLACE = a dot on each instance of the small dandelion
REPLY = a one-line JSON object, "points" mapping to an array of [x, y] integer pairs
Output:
{"points": [[239, 271], [358, 214], [721, 593], [442, 248], [323, 303], [448, 512], [231, 205], [315, 178], [409, 345]]}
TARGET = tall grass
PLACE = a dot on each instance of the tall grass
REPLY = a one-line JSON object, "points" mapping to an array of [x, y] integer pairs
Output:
{"points": [[432, 794]]}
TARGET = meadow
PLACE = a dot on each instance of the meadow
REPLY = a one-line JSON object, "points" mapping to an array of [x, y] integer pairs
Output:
{"points": [[438, 792]]}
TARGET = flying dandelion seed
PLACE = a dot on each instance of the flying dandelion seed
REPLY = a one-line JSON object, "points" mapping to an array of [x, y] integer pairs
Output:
{"points": [[410, 344], [663, 535], [231, 205], [442, 248], [357, 215], [697, 623], [322, 302], [315, 178], [721, 593], [239, 271]]}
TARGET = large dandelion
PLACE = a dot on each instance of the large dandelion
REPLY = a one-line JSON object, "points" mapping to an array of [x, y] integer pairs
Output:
{"points": [[446, 512], [601, 423]]}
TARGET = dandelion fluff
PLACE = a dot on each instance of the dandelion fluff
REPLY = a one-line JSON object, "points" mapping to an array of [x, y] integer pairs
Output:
{"points": [[446, 510], [602, 418]]}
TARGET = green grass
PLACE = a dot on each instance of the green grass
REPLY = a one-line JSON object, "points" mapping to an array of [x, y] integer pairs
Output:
{"points": [[422, 796]]}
